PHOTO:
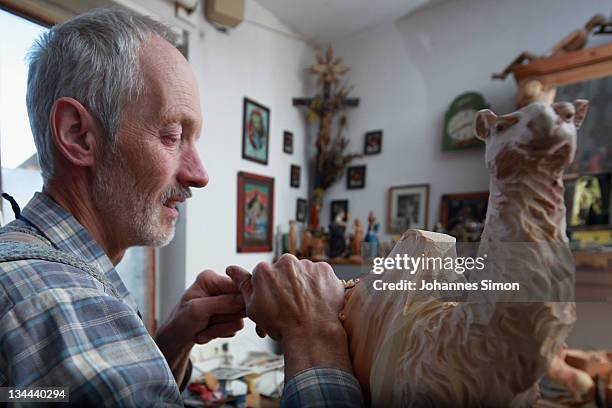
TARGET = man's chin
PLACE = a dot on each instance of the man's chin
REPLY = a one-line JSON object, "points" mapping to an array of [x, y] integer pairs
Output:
{"points": [[158, 237]]}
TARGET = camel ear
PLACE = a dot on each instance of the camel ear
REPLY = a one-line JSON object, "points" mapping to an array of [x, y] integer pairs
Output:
{"points": [[482, 124], [581, 106]]}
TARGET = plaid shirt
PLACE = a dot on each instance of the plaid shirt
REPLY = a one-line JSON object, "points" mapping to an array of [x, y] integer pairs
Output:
{"points": [[59, 328], [321, 387]]}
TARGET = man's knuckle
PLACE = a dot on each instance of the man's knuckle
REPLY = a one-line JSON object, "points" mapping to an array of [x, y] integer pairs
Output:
{"points": [[261, 266], [191, 309], [204, 274], [306, 263], [286, 259]]}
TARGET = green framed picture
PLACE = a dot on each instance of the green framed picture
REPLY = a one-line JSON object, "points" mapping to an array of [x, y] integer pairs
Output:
{"points": [[458, 129]]}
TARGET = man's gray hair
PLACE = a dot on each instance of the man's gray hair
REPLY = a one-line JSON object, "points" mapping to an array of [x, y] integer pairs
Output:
{"points": [[95, 59]]}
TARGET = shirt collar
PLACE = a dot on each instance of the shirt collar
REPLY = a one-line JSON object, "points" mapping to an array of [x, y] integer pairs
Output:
{"points": [[68, 235]]}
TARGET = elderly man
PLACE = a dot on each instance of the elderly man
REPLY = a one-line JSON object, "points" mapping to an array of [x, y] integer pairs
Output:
{"points": [[115, 113]]}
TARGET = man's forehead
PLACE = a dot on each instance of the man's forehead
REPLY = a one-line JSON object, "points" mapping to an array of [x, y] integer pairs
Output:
{"points": [[163, 66], [170, 84]]}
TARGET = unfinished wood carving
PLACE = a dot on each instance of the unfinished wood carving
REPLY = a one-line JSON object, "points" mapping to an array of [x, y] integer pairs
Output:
{"points": [[412, 349]]}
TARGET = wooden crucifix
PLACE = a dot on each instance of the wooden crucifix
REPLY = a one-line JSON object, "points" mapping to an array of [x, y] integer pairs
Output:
{"points": [[330, 160], [326, 105]]}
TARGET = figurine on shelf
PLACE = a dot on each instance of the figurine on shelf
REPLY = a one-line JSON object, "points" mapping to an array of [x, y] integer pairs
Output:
{"points": [[292, 241], [357, 237], [318, 253], [356, 240], [337, 231], [278, 247], [534, 91], [372, 235], [306, 245], [315, 207]]}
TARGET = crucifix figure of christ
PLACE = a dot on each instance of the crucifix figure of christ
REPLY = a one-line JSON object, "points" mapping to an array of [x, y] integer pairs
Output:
{"points": [[333, 99]]}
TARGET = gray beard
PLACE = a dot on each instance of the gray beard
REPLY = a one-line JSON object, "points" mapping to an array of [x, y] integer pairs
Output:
{"points": [[135, 215]]}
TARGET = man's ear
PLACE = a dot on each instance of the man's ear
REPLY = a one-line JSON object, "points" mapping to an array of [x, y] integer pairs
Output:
{"points": [[74, 130], [482, 124], [581, 106]]}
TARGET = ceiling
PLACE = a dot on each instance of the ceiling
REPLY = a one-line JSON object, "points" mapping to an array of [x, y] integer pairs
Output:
{"points": [[323, 21]]}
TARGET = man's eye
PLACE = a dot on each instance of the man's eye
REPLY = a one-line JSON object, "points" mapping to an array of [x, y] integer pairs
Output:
{"points": [[172, 140]]}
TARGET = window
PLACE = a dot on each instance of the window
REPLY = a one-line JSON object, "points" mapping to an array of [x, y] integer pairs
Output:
{"points": [[20, 172]]}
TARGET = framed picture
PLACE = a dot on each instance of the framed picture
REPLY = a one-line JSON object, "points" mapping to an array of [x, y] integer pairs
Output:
{"points": [[463, 215], [355, 177], [255, 213], [255, 131], [295, 176], [407, 207], [458, 131], [300, 209], [587, 198], [287, 142], [338, 206], [373, 142]]}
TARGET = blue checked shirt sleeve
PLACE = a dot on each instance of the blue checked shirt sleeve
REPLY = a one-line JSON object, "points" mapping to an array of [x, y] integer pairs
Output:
{"points": [[322, 387], [94, 344]]}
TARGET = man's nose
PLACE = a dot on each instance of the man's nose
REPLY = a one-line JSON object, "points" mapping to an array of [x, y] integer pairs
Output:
{"points": [[193, 173]]}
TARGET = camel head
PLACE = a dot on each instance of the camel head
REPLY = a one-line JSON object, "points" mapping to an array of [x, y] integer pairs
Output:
{"points": [[538, 136]]}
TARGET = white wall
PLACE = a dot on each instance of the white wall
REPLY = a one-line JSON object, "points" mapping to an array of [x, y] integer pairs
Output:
{"points": [[269, 67], [406, 73]]}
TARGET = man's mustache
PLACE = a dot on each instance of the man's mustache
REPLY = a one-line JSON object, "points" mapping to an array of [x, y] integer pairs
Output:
{"points": [[176, 192]]}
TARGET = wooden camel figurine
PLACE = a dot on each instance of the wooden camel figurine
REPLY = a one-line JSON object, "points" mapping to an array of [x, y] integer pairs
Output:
{"points": [[413, 349]]}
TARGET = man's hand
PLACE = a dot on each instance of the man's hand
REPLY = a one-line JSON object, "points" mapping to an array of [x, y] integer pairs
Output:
{"points": [[212, 307], [297, 303]]}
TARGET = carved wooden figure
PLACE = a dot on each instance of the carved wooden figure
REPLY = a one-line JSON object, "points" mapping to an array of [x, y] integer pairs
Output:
{"points": [[357, 238], [306, 244], [292, 240], [414, 349]]}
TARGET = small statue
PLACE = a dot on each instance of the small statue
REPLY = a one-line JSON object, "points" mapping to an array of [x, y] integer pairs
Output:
{"points": [[371, 236], [534, 91], [317, 249], [315, 207], [357, 237], [292, 241], [306, 245], [337, 240], [577, 39], [279, 244]]}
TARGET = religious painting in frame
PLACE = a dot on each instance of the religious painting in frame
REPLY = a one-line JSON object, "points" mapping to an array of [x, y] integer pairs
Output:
{"points": [[463, 215], [287, 142], [255, 131], [373, 142], [407, 208], [255, 213], [337, 207], [300, 210], [355, 177]]}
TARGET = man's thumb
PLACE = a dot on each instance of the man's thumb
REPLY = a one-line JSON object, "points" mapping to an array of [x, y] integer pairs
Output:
{"points": [[242, 279]]}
